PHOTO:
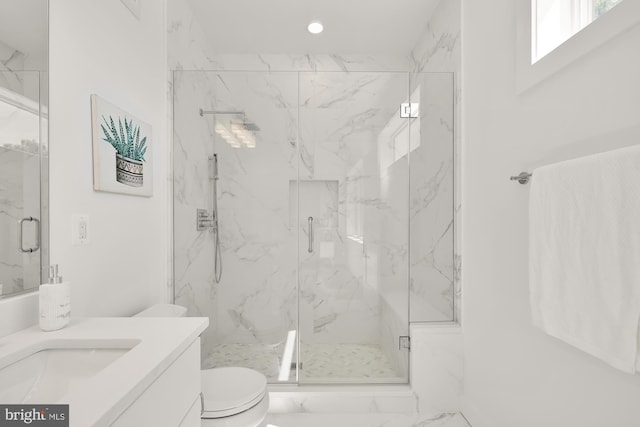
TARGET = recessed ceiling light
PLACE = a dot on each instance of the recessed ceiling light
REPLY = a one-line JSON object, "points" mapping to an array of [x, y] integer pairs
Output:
{"points": [[315, 27]]}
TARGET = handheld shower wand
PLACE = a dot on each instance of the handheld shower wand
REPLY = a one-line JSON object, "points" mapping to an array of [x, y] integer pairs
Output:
{"points": [[214, 167], [213, 175]]}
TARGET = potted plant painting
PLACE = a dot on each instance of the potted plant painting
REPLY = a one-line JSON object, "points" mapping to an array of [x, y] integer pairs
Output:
{"points": [[130, 169], [130, 149]]}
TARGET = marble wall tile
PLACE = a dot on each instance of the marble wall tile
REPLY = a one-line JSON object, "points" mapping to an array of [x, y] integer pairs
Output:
{"points": [[185, 50], [437, 367], [193, 250], [438, 50], [11, 62], [305, 62], [431, 202], [186, 42]]}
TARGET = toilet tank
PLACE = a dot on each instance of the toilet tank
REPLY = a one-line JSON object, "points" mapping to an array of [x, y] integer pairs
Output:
{"points": [[163, 310]]}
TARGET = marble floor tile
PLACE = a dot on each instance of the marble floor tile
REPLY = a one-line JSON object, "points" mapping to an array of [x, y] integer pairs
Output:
{"points": [[363, 420]]}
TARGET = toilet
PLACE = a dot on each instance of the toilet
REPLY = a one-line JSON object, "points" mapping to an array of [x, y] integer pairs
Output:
{"points": [[232, 397]]}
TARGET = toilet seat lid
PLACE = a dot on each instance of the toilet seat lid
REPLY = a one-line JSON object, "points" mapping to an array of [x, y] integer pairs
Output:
{"points": [[228, 391]]}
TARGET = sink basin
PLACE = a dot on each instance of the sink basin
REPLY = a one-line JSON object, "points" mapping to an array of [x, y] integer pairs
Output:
{"points": [[45, 375]]}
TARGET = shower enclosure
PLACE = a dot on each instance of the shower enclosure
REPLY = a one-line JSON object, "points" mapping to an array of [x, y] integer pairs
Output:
{"points": [[23, 180], [315, 202]]}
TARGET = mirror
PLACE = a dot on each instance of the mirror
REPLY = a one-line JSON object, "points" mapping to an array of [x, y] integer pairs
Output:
{"points": [[24, 41]]}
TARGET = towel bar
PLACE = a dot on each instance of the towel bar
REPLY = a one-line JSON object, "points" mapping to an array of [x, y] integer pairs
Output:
{"points": [[522, 178]]}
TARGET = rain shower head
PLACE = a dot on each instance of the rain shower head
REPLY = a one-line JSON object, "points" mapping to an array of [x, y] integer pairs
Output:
{"points": [[241, 118], [237, 130], [243, 125], [250, 126]]}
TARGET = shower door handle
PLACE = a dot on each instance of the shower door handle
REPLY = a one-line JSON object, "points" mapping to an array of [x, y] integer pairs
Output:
{"points": [[310, 232], [21, 247]]}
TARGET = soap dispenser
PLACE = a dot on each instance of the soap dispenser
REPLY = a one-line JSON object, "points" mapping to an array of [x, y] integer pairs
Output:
{"points": [[55, 302]]}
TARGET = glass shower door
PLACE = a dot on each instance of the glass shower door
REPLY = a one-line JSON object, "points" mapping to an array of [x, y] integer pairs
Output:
{"points": [[353, 210], [235, 156], [20, 165], [296, 195], [432, 278]]}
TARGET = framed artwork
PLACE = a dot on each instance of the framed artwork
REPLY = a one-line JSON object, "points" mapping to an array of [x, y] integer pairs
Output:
{"points": [[122, 150]]}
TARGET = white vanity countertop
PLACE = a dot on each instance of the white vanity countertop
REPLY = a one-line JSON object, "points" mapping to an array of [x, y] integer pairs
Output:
{"points": [[100, 399]]}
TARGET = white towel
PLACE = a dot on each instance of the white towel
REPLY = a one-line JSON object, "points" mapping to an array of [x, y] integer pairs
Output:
{"points": [[584, 253]]}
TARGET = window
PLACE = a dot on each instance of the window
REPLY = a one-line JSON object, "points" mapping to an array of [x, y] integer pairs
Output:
{"points": [[555, 21], [533, 67]]}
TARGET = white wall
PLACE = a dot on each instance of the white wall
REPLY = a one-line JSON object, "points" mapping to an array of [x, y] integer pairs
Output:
{"points": [[514, 374], [99, 47]]}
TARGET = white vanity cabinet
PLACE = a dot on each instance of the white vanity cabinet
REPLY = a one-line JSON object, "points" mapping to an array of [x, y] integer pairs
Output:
{"points": [[111, 371], [173, 399]]}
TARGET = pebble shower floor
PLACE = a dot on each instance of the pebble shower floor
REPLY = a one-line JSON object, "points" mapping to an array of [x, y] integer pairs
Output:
{"points": [[320, 362]]}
